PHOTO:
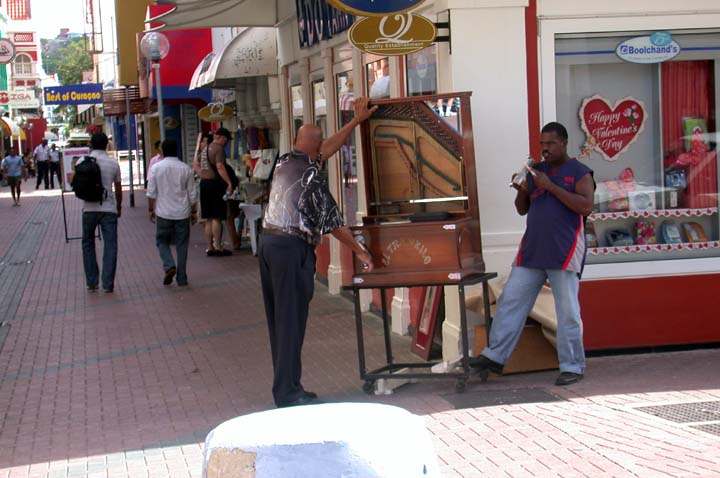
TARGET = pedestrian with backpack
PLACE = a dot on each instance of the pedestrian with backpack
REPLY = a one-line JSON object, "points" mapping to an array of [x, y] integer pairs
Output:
{"points": [[97, 182]]}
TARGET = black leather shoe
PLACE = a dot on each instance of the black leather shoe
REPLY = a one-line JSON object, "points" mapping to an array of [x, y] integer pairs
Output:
{"points": [[482, 364], [303, 400], [567, 378], [309, 394], [169, 276]]}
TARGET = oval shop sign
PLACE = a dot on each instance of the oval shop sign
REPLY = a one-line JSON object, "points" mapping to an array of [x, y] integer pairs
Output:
{"points": [[396, 35], [375, 8], [656, 48]]}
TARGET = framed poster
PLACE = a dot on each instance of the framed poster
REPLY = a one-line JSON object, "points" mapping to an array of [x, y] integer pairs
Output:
{"points": [[695, 130], [70, 156], [425, 332]]}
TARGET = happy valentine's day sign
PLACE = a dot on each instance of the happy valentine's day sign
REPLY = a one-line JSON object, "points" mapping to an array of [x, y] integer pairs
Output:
{"points": [[612, 129]]}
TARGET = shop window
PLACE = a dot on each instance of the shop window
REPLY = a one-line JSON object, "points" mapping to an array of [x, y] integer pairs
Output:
{"points": [[23, 65], [319, 104], [378, 78], [422, 72], [649, 132], [348, 156], [297, 108]]}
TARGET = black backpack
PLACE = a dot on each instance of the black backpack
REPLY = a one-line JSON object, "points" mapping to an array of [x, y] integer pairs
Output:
{"points": [[87, 181]]}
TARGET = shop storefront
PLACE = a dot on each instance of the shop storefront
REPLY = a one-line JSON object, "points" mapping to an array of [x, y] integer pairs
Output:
{"points": [[639, 94], [647, 129]]}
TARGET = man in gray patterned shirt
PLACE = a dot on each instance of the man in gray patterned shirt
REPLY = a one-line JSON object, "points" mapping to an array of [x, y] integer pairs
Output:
{"points": [[300, 211]]}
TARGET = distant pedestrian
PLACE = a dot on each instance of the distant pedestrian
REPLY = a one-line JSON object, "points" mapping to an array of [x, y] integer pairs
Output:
{"points": [[29, 162], [105, 214], [13, 169], [55, 158], [215, 183], [172, 206], [41, 155], [155, 159]]}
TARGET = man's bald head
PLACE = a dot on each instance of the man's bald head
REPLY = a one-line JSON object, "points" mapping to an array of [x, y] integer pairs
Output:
{"points": [[309, 139]]}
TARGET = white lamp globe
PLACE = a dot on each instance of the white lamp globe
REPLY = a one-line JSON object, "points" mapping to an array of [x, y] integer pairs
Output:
{"points": [[155, 46]]}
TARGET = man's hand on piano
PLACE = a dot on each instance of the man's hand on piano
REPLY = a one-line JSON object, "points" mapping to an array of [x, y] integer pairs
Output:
{"points": [[362, 112], [366, 261]]}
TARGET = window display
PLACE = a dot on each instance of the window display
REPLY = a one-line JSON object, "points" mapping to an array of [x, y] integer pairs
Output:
{"points": [[297, 107], [422, 72], [645, 123], [348, 151], [378, 79]]}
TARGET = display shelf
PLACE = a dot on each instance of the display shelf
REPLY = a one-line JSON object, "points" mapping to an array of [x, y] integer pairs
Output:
{"points": [[659, 213], [684, 246]]}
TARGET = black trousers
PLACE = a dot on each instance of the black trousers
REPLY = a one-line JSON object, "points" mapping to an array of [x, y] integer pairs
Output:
{"points": [[55, 172], [287, 270], [43, 174]]}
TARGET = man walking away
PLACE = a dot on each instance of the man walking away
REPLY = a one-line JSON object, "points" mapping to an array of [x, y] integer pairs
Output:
{"points": [[556, 195], [13, 168], [55, 157], [172, 206], [104, 214], [42, 157]]}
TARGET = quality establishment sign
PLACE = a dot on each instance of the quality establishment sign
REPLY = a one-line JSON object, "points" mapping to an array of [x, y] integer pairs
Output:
{"points": [[611, 129], [398, 34]]}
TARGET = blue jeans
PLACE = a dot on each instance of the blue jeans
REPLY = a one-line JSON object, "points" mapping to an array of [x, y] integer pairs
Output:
{"points": [[108, 227], [166, 230], [515, 303]]}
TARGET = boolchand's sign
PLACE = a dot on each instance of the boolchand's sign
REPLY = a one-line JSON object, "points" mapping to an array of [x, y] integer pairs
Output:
{"points": [[86, 94], [655, 48]]}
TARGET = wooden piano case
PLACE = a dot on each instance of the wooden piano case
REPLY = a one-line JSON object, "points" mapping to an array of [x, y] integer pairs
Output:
{"points": [[423, 224]]}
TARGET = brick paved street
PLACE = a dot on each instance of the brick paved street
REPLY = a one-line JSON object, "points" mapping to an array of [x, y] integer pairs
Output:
{"points": [[128, 384]]}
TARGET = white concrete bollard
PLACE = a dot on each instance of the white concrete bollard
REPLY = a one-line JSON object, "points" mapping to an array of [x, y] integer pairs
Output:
{"points": [[338, 440]]}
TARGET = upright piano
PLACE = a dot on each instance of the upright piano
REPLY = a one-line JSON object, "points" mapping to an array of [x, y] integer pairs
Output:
{"points": [[423, 224]]}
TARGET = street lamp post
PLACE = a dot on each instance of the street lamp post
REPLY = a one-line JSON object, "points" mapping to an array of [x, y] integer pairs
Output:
{"points": [[155, 46]]}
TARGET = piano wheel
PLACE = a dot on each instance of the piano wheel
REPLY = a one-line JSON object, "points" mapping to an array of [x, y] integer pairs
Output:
{"points": [[460, 385], [369, 386]]}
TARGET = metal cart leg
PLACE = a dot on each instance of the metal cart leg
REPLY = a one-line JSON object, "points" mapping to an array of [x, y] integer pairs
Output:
{"points": [[465, 360], [359, 332], [386, 328]]}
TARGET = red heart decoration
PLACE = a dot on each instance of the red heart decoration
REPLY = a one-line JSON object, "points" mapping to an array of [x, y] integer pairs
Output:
{"points": [[612, 129]]}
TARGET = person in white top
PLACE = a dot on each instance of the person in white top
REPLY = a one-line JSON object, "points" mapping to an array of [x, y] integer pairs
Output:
{"points": [[172, 206], [42, 156], [155, 159], [104, 214], [55, 157]]}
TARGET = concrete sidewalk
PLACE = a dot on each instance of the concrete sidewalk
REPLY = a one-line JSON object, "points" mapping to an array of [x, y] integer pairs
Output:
{"points": [[128, 384]]}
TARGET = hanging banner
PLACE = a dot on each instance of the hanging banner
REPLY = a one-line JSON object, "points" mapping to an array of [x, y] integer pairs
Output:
{"points": [[317, 21], [611, 130], [86, 94], [375, 8], [392, 35]]}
